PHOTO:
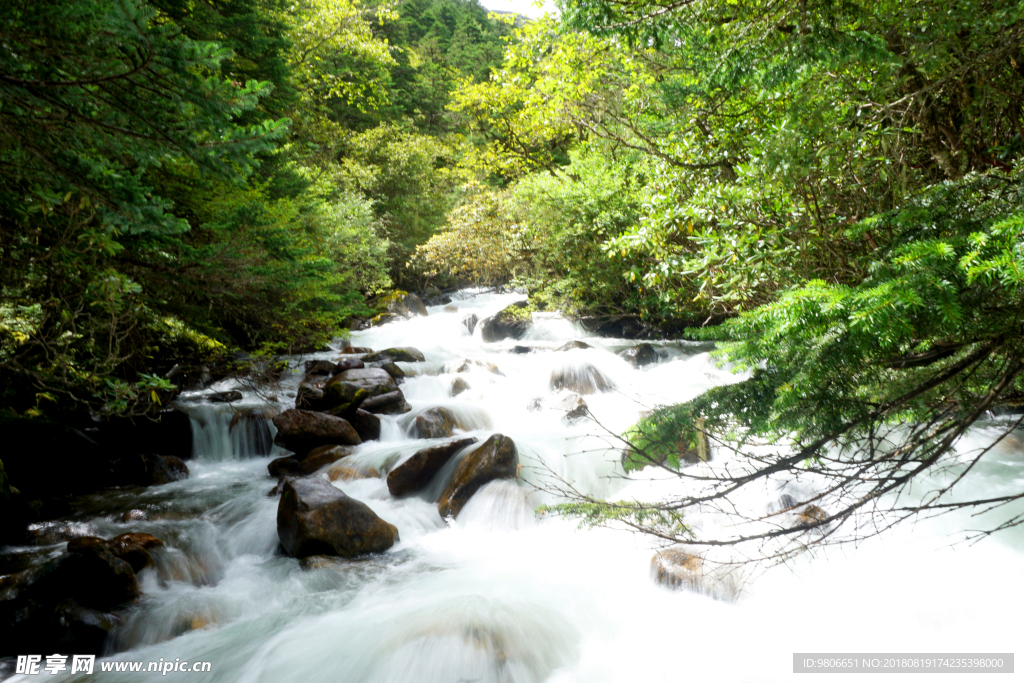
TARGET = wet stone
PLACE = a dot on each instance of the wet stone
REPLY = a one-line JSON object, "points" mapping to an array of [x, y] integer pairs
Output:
{"points": [[315, 518], [496, 458]]}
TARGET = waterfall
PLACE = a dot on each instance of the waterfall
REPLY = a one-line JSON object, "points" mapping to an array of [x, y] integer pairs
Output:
{"points": [[221, 432]]}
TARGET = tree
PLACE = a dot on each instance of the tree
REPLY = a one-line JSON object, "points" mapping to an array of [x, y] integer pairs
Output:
{"points": [[846, 178], [85, 126]]}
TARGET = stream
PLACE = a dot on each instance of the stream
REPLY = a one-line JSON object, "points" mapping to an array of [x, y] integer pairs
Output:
{"points": [[502, 595]]}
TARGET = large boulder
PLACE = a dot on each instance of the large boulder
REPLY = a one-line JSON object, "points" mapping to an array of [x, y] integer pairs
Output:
{"points": [[416, 472], [314, 518], [497, 458], [640, 355], [512, 321], [304, 430], [384, 319], [91, 575], [388, 403], [309, 398], [397, 373], [282, 467], [435, 423], [319, 367], [150, 469], [404, 304], [366, 424], [375, 379], [134, 549], [583, 378], [405, 354], [321, 457]]}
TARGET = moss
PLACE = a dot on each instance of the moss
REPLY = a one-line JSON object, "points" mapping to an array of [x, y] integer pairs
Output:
{"points": [[391, 297]]}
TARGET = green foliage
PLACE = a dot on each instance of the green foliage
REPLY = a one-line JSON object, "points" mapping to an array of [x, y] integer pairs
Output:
{"points": [[632, 514], [481, 243], [570, 220], [408, 177], [826, 356]]}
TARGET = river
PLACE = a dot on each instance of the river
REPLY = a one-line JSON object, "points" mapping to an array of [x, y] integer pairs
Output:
{"points": [[501, 595]]}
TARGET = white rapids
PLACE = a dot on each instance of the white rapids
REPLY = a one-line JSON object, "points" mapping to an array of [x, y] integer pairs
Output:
{"points": [[504, 596]]}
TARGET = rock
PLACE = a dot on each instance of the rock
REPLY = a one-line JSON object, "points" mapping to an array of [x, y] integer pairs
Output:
{"points": [[368, 378], [314, 518], [512, 321], [674, 568], [147, 541], [459, 384], [134, 549], [303, 430], [569, 346], [349, 472], [522, 349], [309, 398], [224, 396], [378, 404], [79, 629], [320, 562], [394, 409], [153, 470], [344, 364], [811, 516], [319, 367], [404, 304], [622, 326], [83, 543], [575, 409], [282, 467], [406, 354], [341, 398], [253, 422], [384, 319], [472, 365], [397, 373], [434, 423], [366, 424], [535, 405], [93, 576], [582, 378], [640, 355], [351, 350], [416, 472], [322, 456], [497, 458], [451, 309], [470, 322]]}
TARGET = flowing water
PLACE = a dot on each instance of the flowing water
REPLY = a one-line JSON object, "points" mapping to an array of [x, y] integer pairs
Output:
{"points": [[501, 595]]}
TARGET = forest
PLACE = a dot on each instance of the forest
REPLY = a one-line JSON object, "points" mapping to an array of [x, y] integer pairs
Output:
{"points": [[407, 340], [829, 190]]}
